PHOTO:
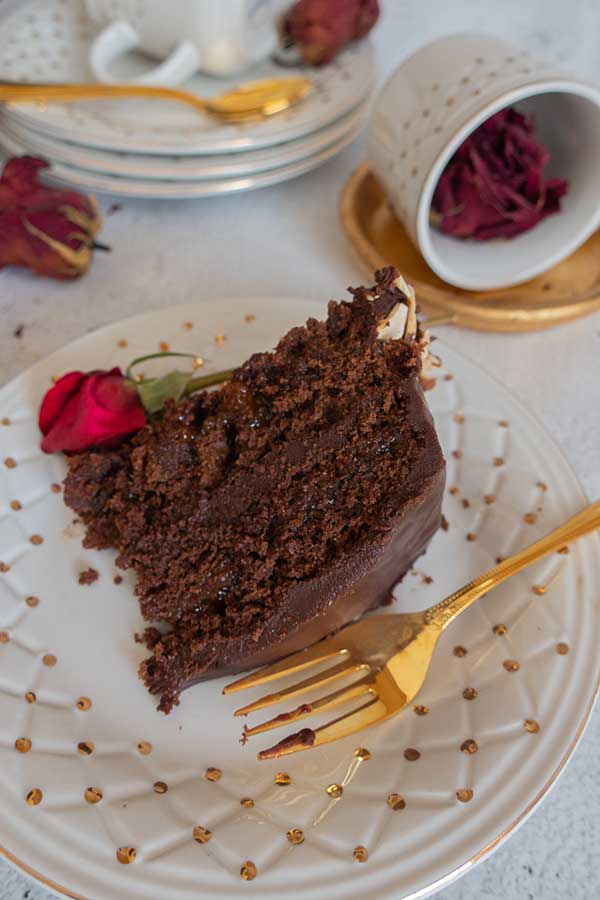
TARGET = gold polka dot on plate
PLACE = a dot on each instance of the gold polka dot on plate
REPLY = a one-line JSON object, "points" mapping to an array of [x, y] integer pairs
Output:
{"points": [[160, 787], [93, 795], [23, 745], [145, 748], [16, 505], [464, 795], [163, 347], [10, 463], [34, 797], [248, 870], [411, 754], [49, 659], [396, 801], [30, 697], [539, 589], [4, 637], [122, 343], [283, 778], [421, 710], [511, 665], [126, 855], [36, 540], [188, 326], [469, 746], [531, 726], [470, 693], [55, 488], [83, 703], [460, 651], [220, 339], [201, 835], [247, 802], [86, 748], [249, 317], [499, 630], [5, 420], [360, 854], [562, 649], [335, 790], [295, 836], [213, 774], [362, 753], [32, 601], [197, 363]]}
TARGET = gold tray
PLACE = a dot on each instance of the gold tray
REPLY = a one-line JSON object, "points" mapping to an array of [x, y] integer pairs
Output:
{"points": [[567, 291]]}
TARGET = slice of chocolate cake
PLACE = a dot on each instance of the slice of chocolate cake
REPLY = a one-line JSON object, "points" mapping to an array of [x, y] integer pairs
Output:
{"points": [[263, 516]]}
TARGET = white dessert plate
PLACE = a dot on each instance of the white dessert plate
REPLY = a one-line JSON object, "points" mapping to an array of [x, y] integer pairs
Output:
{"points": [[62, 642], [183, 168], [49, 40], [179, 189]]}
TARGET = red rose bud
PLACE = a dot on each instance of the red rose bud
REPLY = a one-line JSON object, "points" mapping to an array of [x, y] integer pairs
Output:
{"points": [[321, 28], [50, 231], [96, 409], [493, 186]]}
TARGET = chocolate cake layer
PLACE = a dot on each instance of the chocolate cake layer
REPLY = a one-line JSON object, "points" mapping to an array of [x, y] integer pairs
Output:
{"points": [[263, 516]]}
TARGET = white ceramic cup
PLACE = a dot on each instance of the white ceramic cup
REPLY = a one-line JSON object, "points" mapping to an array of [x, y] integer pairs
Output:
{"points": [[434, 100], [212, 36]]}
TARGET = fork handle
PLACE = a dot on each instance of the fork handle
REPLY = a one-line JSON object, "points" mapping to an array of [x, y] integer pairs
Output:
{"points": [[69, 93], [447, 610]]}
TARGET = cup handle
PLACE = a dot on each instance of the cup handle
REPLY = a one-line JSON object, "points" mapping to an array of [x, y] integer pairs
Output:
{"points": [[120, 37]]}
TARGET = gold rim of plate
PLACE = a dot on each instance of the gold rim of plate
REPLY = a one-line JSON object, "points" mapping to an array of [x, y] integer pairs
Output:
{"points": [[565, 292]]}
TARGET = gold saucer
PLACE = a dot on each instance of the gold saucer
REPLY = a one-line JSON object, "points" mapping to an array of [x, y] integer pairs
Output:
{"points": [[567, 291]]}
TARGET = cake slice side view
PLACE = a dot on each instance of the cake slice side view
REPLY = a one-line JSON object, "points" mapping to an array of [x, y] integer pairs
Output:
{"points": [[263, 516]]}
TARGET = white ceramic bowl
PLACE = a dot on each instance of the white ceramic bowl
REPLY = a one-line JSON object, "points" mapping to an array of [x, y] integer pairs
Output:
{"points": [[434, 100]]}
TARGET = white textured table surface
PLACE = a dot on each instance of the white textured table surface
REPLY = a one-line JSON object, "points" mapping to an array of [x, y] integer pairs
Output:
{"points": [[285, 241]]}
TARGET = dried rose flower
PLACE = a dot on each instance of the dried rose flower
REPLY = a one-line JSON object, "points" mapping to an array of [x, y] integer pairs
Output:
{"points": [[93, 409], [50, 231], [100, 408], [321, 28], [493, 186]]}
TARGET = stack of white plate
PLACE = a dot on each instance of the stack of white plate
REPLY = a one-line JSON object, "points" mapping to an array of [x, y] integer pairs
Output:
{"points": [[153, 148]]}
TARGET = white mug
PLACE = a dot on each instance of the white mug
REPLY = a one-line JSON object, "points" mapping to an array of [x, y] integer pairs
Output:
{"points": [[434, 100], [219, 38]]}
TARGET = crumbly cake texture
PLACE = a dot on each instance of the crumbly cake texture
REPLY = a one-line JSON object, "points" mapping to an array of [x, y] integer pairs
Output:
{"points": [[260, 517]]}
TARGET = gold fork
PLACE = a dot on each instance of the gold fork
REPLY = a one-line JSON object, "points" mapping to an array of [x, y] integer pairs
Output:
{"points": [[392, 653], [255, 99]]}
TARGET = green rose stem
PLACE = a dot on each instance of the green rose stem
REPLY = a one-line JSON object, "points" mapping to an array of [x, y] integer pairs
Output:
{"points": [[204, 381]]}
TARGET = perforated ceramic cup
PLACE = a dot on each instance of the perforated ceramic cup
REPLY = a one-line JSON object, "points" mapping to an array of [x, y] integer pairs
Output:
{"points": [[434, 100]]}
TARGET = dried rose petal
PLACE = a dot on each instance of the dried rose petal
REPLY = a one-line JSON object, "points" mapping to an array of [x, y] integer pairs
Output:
{"points": [[50, 231], [321, 28], [493, 186]]}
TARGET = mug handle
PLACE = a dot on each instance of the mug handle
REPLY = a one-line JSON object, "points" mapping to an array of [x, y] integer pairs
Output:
{"points": [[120, 37]]}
